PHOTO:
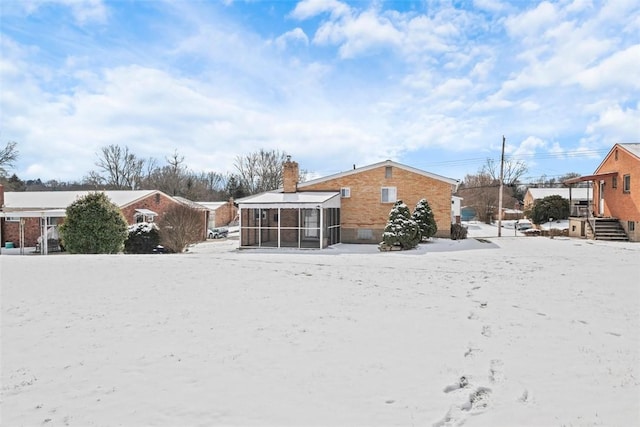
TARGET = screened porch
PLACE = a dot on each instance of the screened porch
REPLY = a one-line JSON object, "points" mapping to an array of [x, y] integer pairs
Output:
{"points": [[290, 220]]}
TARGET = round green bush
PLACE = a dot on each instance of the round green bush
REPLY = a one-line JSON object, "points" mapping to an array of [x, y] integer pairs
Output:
{"points": [[93, 225]]}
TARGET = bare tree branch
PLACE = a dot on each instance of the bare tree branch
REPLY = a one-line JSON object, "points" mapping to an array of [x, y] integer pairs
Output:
{"points": [[8, 155]]}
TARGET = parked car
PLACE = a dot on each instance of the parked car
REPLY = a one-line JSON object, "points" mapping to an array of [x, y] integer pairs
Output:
{"points": [[523, 224], [218, 233]]}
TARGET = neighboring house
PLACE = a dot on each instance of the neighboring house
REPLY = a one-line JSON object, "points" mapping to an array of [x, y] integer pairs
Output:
{"points": [[220, 213], [616, 196], [456, 209], [348, 207], [26, 215], [578, 197]]}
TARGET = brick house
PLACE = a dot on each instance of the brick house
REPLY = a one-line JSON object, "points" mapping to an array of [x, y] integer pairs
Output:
{"points": [[26, 215], [616, 196], [347, 207], [220, 213]]}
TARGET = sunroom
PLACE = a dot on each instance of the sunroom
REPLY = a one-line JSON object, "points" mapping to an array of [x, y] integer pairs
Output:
{"points": [[300, 220]]}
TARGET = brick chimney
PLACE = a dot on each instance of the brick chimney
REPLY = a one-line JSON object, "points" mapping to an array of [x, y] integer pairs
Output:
{"points": [[290, 176]]}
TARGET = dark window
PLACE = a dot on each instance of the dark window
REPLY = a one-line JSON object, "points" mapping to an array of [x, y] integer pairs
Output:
{"points": [[631, 225], [614, 182], [388, 172], [616, 154], [626, 184]]}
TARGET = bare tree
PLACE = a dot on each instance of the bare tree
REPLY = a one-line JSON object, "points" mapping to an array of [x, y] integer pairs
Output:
{"points": [[121, 168], [261, 170], [512, 171], [171, 178], [180, 226], [482, 190], [8, 155]]}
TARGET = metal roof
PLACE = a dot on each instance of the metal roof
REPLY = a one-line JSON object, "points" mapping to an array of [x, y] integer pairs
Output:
{"points": [[35, 200], [304, 199]]}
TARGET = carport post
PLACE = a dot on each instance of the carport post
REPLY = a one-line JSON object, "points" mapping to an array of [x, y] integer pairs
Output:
{"points": [[279, 230], [321, 224]]}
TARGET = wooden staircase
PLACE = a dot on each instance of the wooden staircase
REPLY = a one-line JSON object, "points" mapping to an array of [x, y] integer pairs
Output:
{"points": [[606, 229]]}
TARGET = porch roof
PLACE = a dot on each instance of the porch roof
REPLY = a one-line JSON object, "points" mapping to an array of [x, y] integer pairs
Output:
{"points": [[298, 200], [590, 177], [44, 213]]}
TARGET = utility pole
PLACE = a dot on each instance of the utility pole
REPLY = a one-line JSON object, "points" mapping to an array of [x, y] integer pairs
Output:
{"points": [[500, 195]]}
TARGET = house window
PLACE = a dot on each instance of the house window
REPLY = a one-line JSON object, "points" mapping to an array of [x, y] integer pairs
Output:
{"points": [[345, 192], [388, 172], [616, 154], [13, 219], [631, 226], [614, 182], [626, 184], [388, 194]]}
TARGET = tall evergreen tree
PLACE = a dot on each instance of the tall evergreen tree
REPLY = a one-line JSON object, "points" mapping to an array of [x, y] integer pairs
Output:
{"points": [[401, 229], [423, 215]]}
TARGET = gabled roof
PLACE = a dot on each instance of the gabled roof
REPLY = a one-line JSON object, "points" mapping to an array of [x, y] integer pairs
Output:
{"points": [[212, 206], [632, 148], [189, 203], [24, 200], [375, 166]]}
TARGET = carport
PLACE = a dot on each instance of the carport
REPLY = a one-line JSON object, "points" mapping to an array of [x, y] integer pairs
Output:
{"points": [[46, 225]]}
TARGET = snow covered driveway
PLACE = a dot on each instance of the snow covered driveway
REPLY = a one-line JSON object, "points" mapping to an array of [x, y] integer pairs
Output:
{"points": [[519, 331]]}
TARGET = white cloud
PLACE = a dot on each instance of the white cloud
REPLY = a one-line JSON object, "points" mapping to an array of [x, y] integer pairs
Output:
{"points": [[297, 35], [84, 11], [617, 124], [359, 34], [613, 71], [533, 21], [309, 8]]}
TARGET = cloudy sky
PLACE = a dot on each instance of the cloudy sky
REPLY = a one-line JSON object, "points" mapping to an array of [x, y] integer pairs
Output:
{"points": [[431, 84]]}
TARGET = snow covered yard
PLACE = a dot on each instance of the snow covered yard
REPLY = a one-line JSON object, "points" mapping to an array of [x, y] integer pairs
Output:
{"points": [[507, 332]]}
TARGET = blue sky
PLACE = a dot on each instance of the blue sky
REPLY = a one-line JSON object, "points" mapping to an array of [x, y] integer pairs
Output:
{"points": [[432, 84]]}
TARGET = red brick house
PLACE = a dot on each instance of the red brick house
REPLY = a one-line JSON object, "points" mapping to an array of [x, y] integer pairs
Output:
{"points": [[616, 197], [220, 213], [347, 207], [25, 216]]}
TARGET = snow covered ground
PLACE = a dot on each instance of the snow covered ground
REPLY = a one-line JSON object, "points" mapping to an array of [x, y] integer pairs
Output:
{"points": [[510, 331]]}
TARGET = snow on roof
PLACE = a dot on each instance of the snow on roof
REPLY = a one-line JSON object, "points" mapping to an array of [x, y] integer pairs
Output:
{"points": [[633, 148], [212, 206], [292, 200], [22, 200], [377, 165], [189, 203], [576, 193], [147, 212]]}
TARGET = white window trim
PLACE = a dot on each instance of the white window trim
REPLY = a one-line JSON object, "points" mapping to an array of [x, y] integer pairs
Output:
{"points": [[345, 192], [392, 194]]}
